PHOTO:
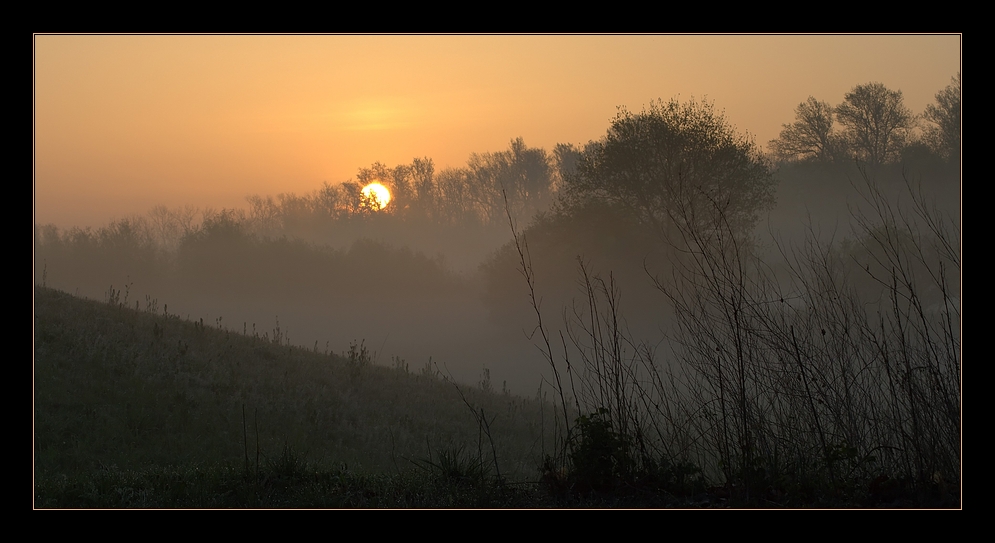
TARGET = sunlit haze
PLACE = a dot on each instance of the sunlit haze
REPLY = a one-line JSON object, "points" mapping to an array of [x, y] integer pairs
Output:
{"points": [[497, 271], [124, 123]]}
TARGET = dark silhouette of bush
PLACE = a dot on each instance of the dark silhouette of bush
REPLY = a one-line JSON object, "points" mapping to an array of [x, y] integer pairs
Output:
{"points": [[675, 161]]}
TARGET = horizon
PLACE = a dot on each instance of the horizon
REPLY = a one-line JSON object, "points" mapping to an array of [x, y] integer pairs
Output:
{"points": [[125, 123]]}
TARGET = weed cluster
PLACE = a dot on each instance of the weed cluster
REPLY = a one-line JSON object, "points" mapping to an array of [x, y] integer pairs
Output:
{"points": [[788, 384]]}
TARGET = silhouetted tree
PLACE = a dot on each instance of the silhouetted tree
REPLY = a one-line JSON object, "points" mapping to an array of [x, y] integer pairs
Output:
{"points": [[566, 157], [944, 134], [423, 173], [410, 185], [352, 195], [454, 204], [168, 226], [524, 174], [328, 201], [396, 179], [878, 125], [675, 162], [811, 136]]}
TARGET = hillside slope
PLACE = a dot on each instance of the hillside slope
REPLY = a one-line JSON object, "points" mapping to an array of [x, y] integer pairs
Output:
{"points": [[116, 388]]}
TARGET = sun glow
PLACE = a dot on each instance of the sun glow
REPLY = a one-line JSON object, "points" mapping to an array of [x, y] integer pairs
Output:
{"points": [[376, 196]]}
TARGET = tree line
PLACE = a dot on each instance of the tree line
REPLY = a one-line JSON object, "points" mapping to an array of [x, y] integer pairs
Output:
{"points": [[671, 162], [472, 195], [872, 125]]}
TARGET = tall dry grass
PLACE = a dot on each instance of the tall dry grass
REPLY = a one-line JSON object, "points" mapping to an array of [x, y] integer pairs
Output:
{"points": [[828, 375]]}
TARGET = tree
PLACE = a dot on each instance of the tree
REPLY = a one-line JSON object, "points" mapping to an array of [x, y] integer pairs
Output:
{"points": [[524, 175], [944, 136], [565, 158], [811, 136], [678, 162], [411, 186], [878, 125], [453, 203], [423, 172], [396, 179]]}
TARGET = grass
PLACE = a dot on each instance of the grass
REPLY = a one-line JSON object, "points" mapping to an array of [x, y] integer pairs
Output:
{"points": [[790, 388], [137, 409], [124, 395], [226, 486]]}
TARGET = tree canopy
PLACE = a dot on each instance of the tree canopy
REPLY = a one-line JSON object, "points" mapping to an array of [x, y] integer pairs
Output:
{"points": [[522, 174], [811, 136], [675, 162], [943, 136], [878, 124]]}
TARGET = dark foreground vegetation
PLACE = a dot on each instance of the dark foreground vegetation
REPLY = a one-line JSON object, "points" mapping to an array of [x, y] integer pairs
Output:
{"points": [[143, 409], [816, 372], [803, 393], [140, 408]]}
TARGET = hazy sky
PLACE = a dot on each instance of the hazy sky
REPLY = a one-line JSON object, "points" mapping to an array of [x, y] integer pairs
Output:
{"points": [[123, 123]]}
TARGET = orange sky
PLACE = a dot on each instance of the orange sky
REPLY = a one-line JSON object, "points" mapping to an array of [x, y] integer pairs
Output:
{"points": [[123, 123]]}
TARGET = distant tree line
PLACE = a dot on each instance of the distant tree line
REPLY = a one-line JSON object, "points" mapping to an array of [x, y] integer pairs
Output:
{"points": [[221, 258], [674, 163], [472, 195], [872, 125], [431, 212]]}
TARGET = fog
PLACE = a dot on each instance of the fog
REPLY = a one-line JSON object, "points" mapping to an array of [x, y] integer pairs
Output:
{"points": [[650, 265], [479, 244], [436, 277]]}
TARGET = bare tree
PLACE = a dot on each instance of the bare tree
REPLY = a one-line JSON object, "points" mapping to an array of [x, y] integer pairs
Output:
{"points": [[944, 134], [811, 136], [878, 125], [522, 175]]}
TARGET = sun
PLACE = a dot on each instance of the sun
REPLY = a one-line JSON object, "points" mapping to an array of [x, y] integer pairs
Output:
{"points": [[376, 196]]}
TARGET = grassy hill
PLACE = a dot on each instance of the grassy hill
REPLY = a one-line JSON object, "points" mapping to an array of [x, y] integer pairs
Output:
{"points": [[144, 409], [142, 403]]}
